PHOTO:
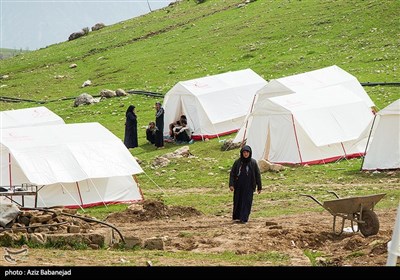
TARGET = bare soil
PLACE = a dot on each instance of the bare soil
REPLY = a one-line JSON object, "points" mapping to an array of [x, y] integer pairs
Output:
{"points": [[186, 229]]}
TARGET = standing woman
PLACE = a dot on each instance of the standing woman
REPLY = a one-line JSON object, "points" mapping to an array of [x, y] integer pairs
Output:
{"points": [[159, 143], [244, 178], [130, 139]]}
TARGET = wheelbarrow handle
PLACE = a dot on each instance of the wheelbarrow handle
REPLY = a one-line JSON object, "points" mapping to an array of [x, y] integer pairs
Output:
{"points": [[332, 192], [313, 198]]}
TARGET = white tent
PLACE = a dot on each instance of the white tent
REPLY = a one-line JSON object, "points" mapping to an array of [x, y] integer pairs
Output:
{"points": [[383, 150], [305, 83], [74, 165], [315, 80], [29, 117], [214, 105], [311, 128]]}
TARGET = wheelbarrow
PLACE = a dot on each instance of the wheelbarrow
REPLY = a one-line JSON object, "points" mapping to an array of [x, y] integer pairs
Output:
{"points": [[358, 209]]}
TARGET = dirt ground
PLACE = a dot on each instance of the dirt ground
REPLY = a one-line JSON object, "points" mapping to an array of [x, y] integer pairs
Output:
{"points": [[186, 229]]}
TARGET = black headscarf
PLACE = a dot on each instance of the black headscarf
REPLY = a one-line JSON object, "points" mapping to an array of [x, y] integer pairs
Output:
{"points": [[129, 110], [242, 158]]}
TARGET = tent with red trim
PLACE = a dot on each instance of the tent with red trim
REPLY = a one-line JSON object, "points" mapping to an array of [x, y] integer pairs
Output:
{"points": [[214, 105], [29, 117], [73, 165], [383, 150], [308, 128]]}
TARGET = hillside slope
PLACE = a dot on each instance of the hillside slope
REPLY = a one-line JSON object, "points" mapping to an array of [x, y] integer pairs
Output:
{"points": [[189, 40]]}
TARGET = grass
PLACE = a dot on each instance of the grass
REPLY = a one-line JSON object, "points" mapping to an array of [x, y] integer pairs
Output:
{"points": [[355, 254], [184, 41], [312, 255], [104, 257]]}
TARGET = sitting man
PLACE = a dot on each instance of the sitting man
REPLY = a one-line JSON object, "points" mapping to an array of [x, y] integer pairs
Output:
{"points": [[178, 123], [151, 132], [183, 133]]}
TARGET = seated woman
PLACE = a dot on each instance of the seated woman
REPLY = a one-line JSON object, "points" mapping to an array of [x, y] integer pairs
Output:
{"points": [[151, 132], [183, 133], [178, 123]]}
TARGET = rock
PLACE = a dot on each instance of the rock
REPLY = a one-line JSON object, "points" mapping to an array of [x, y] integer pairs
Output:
{"points": [[86, 83], [107, 93], [132, 241], [229, 145], [120, 92], [84, 99], [73, 229], [154, 243], [38, 238], [41, 218], [98, 26]]}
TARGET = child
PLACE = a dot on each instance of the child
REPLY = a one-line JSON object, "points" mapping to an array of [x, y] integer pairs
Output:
{"points": [[151, 132], [183, 134]]}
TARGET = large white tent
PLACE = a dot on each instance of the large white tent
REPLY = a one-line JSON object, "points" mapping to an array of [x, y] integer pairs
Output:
{"points": [[315, 80], [29, 117], [312, 128], [214, 105], [73, 165], [383, 150], [305, 83]]}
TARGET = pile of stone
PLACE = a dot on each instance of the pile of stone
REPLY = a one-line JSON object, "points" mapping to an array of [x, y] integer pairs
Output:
{"points": [[55, 227]]}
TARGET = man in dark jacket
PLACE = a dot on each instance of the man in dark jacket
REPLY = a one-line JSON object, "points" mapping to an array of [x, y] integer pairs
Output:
{"points": [[244, 178]]}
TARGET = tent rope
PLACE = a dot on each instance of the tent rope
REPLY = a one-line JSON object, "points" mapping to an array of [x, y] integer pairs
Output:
{"points": [[155, 184]]}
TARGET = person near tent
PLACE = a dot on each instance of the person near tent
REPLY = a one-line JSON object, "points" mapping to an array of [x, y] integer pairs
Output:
{"points": [[151, 132], [159, 139], [131, 138], [183, 133], [244, 178], [176, 124]]}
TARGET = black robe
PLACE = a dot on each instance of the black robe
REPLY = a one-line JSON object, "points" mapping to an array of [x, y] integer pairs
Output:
{"points": [[151, 135], [159, 139], [244, 177], [131, 138]]}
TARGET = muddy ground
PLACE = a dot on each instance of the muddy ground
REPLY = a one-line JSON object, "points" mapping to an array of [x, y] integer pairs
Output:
{"points": [[186, 229]]}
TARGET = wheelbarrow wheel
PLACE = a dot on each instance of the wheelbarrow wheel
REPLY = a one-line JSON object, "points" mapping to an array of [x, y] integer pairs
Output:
{"points": [[371, 223]]}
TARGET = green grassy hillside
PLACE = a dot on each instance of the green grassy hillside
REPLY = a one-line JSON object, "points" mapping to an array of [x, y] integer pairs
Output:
{"points": [[188, 40]]}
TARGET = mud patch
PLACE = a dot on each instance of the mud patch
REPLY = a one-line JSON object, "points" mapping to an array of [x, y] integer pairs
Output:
{"points": [[151, 210]]}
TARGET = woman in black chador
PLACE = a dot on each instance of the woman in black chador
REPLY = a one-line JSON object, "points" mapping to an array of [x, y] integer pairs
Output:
{"points": [[130, 139], [244, 178], [159, 139]]}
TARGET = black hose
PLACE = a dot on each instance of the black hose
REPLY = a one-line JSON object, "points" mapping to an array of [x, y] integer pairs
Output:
{"points": [[76, 216], [147, 93], [372, 84], [13, 99]]}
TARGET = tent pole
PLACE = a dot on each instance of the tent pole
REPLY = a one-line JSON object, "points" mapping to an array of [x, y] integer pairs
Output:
{"points": [[79, 192], [9, 170], [297, 141], [247, 120], [366, 146], [393, 245], [77, 203], [344, 151], [137, 183]]}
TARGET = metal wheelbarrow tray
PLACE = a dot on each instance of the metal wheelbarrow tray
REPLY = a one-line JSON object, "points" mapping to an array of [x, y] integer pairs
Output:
{"points": [[358, 209]]}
